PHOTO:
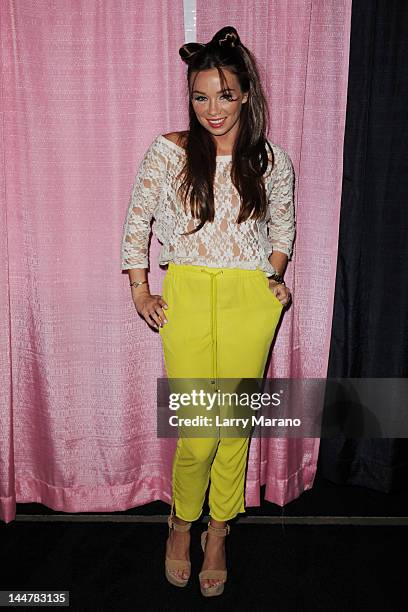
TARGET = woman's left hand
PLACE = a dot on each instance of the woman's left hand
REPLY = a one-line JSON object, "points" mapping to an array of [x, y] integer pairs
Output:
{"points": [[281, 291]]}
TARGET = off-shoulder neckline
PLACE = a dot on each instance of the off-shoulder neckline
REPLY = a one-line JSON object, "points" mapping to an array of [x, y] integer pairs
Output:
{"points": [[176, 146]]}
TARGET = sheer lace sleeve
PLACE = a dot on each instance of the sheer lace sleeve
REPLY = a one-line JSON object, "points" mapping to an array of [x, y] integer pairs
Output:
{"points": [[282, 223], [144, 199]]}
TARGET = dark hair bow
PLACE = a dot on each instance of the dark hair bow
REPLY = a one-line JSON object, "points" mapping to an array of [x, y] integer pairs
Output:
{"points": [[190, 49], [226, 37]]}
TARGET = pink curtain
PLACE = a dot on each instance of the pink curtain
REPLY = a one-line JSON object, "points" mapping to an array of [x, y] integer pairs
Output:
{"points": [[83, 94], [303, 50], [86, 87]]}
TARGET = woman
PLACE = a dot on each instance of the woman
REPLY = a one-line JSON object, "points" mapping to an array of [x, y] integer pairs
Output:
{"points": [[222, 198]]}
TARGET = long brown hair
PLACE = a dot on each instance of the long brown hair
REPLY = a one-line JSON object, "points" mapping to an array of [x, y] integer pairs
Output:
{"points": [[249, 156]]}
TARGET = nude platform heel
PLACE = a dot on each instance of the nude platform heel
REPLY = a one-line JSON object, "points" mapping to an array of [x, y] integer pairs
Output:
{"points": [[213, 574], [177, 564]]}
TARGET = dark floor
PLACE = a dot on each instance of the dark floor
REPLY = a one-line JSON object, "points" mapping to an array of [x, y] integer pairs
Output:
{"points": [[282, 567], [120, 566]]}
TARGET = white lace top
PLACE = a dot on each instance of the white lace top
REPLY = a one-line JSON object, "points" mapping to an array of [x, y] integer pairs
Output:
{"points": [[222, 243]]}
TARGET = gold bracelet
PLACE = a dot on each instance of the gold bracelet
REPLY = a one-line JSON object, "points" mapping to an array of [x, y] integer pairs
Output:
{"points": [[137, 283]]}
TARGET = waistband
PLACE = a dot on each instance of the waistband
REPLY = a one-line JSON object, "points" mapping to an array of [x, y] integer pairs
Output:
{"points": [[175, 268]]}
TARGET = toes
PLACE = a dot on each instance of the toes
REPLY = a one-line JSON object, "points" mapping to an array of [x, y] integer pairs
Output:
{"points": [[210, 583], [180, 574]]}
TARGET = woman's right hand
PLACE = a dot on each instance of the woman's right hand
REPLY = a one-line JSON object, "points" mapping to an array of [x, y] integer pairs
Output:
{"points": [[150, 307]]}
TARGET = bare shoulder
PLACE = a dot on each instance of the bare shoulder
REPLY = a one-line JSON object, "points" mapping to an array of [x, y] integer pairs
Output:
{"points": [[179, 138]]}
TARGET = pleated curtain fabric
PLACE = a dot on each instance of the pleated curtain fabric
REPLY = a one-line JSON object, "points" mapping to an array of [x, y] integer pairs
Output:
{"points": [[86, 86]]}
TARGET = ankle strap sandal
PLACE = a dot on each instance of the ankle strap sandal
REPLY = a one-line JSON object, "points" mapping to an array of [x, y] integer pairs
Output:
{"points": [[176, 526], [177, 564], [220, 575], [219, 531]]}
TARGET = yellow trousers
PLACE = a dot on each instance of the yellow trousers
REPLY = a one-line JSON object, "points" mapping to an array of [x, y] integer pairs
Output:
{"points": [[221, 322]]}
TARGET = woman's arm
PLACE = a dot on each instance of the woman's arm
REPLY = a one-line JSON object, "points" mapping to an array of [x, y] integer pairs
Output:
{"points": [[282, 224], [279, 261], [143, 202], [145, 197]]}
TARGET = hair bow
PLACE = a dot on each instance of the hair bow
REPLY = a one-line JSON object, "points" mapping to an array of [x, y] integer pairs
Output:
{"points": [[190, 49], [226, 37]]}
